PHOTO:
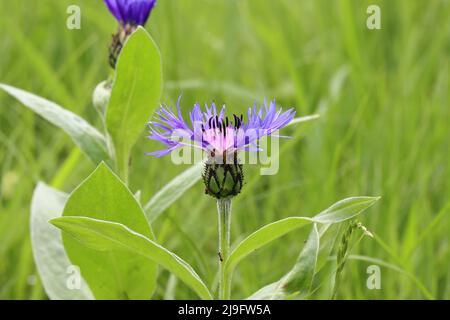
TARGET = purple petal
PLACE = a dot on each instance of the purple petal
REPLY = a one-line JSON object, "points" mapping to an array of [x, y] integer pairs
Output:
{"points": [[131, 11]]}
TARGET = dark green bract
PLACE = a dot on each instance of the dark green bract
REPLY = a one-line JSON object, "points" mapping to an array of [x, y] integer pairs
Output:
{"points": [[223, 181]]}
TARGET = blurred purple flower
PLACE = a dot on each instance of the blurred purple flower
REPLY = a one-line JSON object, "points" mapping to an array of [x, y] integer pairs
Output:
{"points": [[134, 12], [215, 132]]}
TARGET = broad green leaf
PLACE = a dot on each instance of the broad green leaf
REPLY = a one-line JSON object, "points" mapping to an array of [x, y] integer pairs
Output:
{"points": [[51, 260], [109, 236], [85, 136], [135, 94], [117, 275], [172, 191], [340, 211]]}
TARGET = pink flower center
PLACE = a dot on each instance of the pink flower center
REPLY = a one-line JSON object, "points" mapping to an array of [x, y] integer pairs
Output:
{"points": [[220, 140]]}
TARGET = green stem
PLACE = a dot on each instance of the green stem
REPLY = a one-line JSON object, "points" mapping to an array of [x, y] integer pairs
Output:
{"points": [[224, 215], [123, 169]]}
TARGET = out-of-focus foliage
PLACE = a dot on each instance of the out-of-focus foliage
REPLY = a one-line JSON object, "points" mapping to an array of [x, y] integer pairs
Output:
{"points": [[383, 97]]}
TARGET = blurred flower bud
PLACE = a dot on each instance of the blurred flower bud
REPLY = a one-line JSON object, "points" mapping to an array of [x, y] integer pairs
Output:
{"points": [[101, 95]]}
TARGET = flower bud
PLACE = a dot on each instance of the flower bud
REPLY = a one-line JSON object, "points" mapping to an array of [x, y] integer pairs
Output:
{"points": [[101, 95], [118, 41]]}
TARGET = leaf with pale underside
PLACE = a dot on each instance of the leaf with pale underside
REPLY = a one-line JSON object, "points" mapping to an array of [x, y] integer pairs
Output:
{"points": [[51, 260], [340, 211], [85, 136], [109, 236]]}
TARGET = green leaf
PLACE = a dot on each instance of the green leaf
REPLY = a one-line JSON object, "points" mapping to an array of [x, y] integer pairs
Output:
{"points": [[300, 278], [106, 236], [172, 191], [51, 260], [263, 236], [340, 211], [85, 136], [135, 94], [345, 209], [114, 275]]}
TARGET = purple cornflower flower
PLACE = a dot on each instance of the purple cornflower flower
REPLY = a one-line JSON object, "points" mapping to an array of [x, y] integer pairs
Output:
{"points": [[133, 12], [222, 137], [215, 132]]}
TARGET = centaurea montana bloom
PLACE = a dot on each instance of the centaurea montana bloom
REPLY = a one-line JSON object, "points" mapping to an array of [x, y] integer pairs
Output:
{"points": [[220, 136], [130, 14], [134, 12]]}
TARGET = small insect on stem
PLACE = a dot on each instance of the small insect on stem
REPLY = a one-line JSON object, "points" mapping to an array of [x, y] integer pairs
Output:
{"points": [[220, 256]]}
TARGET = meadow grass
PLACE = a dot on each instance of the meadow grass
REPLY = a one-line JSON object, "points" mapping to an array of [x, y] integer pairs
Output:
{"points": [[384, 130]]}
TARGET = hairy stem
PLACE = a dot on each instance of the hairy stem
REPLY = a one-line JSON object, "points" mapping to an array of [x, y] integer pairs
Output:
{"points": [[224, 222]]}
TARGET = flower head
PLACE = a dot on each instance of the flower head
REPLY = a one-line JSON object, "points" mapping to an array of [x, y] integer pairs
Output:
{"points": [[214, 131], [221, 136], [133, 12]]}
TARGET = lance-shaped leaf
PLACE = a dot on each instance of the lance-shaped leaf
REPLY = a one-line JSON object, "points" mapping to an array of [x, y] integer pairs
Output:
{"points": [[135, 94], [345, 209], [110, 275], [85, 136], [301, 275], [340, 211], [109, 236], [51, 260]]}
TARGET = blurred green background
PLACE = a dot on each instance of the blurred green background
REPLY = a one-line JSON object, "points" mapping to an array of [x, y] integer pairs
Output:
{"points": [[383, 97]]}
